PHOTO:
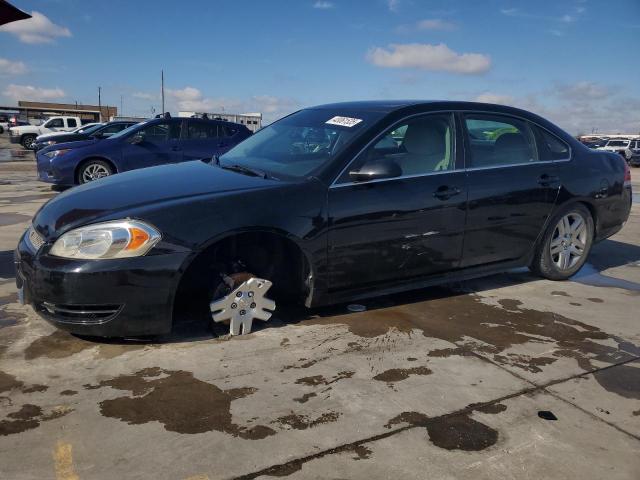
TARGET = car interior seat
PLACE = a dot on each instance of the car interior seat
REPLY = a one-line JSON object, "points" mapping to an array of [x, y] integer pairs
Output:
{"points": [[426, 143]]}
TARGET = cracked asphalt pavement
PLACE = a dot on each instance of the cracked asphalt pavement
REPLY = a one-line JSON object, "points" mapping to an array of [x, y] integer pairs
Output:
{"points": [[507, 376]]}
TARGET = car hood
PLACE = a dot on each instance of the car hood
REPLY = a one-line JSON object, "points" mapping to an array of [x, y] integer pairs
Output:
{"points": [[72, 145], [46, 136], [130, 194]]}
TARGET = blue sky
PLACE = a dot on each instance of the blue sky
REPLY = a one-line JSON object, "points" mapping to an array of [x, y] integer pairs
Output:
{"points": [[574, 61]]}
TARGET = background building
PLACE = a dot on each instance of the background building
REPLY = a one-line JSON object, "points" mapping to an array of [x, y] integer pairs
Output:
{"points": [[27, 110]]}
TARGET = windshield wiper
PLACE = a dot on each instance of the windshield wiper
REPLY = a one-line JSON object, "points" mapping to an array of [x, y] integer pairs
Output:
{"points": [[246, 170]]}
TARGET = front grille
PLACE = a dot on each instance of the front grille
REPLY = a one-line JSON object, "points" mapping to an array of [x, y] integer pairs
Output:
{"points": [[83, 314], [35, 239]]}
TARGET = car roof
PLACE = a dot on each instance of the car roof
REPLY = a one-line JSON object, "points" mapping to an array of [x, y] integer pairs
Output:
{"points": [[389, 106]]}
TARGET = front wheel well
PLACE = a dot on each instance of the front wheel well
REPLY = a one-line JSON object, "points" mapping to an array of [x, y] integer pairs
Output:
{"points": [[264, 254], [76, 173]]}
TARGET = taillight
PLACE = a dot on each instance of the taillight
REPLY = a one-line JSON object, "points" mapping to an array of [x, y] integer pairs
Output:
{"points": [[627, 175]]}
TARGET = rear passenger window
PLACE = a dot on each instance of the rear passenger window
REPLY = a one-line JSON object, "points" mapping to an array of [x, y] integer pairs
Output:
{"points": [[71, 123], [227, 131], [499, 141], [550, 147], [202, 130]]}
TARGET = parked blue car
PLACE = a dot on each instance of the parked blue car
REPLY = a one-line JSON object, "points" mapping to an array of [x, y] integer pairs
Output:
{"points": [[154, 142]]}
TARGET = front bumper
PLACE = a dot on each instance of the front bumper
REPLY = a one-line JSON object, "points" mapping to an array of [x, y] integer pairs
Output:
{"points": [[48, 173], [104, 298], [14, 138]]}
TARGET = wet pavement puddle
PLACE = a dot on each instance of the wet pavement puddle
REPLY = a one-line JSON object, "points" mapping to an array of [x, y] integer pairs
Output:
{"points": [[179, 401]]}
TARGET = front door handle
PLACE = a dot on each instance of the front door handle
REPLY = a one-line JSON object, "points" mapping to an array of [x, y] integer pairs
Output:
{"points": [[445, 192], [546, 180]]}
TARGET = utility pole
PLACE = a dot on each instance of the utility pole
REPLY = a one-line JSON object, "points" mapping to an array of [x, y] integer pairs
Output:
{"points": [[100, 102], [121, 107], [162, 88]]}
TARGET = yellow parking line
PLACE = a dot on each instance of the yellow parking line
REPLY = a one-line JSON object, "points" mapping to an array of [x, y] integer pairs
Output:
{"points": [[63, 459]]}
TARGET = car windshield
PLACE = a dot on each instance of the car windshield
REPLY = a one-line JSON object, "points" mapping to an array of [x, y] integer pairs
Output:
{"points": [[618, 143], [300, 143], [90, 129], [127, 131]]}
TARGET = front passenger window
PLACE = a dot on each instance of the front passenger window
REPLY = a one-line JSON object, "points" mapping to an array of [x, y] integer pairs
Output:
{"points": [[418, 146], [496, 141], [161, 132]]}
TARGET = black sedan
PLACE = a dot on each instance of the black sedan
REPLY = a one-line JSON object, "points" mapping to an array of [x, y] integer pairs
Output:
{"points": [[95, 132], [330, 204]]}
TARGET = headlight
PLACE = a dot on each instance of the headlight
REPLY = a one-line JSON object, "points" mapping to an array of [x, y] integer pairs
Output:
{"points": [[50, 142], [117, 239], [57, 153]]}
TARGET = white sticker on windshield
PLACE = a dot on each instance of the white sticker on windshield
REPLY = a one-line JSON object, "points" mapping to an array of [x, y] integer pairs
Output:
{"points": [[344, 121]]}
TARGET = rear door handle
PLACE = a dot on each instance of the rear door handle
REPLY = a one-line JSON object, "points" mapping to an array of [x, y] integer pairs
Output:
{"points": [[547, 180], [445, 192]]}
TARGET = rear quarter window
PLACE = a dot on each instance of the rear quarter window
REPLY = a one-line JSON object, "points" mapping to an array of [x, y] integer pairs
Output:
{"points": [[550, 147]]}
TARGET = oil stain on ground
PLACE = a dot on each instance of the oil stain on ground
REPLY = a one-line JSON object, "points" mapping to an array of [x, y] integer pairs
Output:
{"points": [[451, 432], [29, 417], [62, 344], [466, 321], [179, 401], [398, 374], [321, 380], [9, 382], [303, 422]]}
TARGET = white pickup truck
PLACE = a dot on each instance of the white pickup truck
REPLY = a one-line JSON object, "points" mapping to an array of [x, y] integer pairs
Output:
{"points": [[26, 134]]}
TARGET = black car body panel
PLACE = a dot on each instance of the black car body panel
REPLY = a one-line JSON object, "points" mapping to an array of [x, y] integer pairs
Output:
{"points": [[359, 239]]}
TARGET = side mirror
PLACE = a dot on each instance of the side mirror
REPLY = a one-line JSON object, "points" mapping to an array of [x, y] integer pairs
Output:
{"points": [[376, 170]]}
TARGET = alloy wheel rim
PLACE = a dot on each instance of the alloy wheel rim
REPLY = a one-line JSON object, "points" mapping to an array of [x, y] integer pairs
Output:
{"points": [[569, 241], [29, 142], [244, 304], [94, 172]]}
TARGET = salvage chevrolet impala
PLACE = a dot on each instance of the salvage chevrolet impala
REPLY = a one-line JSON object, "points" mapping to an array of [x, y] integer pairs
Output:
{"points": [[330, 204]]}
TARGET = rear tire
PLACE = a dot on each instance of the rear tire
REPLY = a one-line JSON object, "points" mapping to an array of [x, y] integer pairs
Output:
{"points": [[565, 244], [93, 170]]}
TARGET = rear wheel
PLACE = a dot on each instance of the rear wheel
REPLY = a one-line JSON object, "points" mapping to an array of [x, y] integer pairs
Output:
{"points": [[28, 141], [93, 170], [565, 245]]}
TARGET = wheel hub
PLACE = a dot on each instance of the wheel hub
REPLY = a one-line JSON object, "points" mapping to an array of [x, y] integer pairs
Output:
{"points": [[569, 241], [244, 304]]}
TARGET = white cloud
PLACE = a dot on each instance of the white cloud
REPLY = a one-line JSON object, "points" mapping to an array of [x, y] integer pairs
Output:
{"points": [[271, 106], [581, 107], [429, 57], [37, 29], [583, 91], [510, 12], [322, 5], [490, 97], [191, 99], [393, 5], [144, 96], [436, 24], [28, 92], [9, 67]]}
